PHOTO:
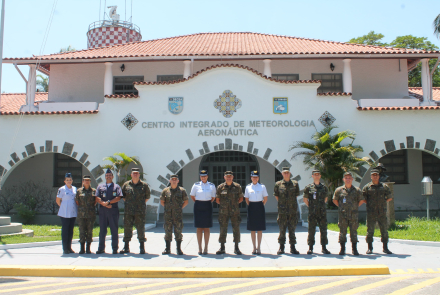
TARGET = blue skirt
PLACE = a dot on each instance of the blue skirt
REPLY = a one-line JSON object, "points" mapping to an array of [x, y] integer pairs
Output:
{"points": [[203, 214], [256, 217]]}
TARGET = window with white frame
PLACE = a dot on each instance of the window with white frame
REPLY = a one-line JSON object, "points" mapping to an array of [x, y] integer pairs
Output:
{"points": [[124, 84], [329, 82]]}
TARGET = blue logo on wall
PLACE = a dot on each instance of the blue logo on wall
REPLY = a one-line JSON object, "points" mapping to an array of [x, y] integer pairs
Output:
{"points": [[175, 105], [280, 105]]}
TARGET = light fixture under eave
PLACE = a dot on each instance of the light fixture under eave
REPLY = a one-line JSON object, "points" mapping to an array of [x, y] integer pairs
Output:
{"points": [[332, 67], [122, 68]]}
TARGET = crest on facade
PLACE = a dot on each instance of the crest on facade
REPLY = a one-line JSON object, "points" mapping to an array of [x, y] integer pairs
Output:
{"points": [[129, 121], [280, 105], [175, 105], [227, 103], [326, 119]]}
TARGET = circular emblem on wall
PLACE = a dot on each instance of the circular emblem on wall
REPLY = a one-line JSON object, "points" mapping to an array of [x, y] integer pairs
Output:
{"points": [[227, 103]]}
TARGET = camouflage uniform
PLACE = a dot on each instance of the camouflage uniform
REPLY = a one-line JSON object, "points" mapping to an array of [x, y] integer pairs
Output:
{"points": [[174, 199], [287, 209], [348, 212], [229, 208], [86, 213], [135, 196], [376, 197], [316, 195]]}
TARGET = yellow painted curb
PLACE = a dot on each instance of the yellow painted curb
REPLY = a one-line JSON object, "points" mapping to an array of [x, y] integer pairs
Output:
{"points": [[183, 272]]}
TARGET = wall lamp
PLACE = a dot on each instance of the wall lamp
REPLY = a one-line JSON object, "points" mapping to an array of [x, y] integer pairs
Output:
{"points": [[332, 67], [122, 68]]}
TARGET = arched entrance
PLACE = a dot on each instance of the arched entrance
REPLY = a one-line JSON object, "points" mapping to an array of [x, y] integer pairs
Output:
{"points": [[240, 163]]}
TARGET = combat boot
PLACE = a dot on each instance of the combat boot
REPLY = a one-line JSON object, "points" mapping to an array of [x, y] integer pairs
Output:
{"points": [[385, 249], [281, 250], [310, 250], [221, 250], [324, 250], [354, 248], [82, 249], [370, 248], [293, 249], [237, 250], [141, 247], [126, 248], [167, 248], [342, 252], [178, 249], [88, 248]]}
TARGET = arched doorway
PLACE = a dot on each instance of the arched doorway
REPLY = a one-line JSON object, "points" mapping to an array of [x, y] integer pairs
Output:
{"points": [[240, 163]]}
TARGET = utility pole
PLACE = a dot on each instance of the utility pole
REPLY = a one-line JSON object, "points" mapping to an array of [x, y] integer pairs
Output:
{"points": [[1, 48]]}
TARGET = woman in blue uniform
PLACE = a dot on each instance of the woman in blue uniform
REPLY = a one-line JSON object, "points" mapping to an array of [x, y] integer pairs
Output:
{"points": [[67, 212], [256, 198], [203, 193]]}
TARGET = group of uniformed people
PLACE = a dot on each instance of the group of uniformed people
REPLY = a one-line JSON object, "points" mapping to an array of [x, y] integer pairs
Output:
{"points": [[80, 203]]}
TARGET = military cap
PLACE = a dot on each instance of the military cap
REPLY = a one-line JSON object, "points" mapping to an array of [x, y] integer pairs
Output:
{"points": [[174, 176], [286, 169], [375, 171], [86, 177], [108, 171], [203, 172], [316, 171], [68, 175], [135, 170], [348, 173], [229, 173], [255, 173]]}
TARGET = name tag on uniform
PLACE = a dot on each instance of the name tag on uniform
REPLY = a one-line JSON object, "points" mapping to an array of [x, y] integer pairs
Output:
{"points": [[314, 196], [103, 195], [224, 193], [114, 194], [344, 200]]}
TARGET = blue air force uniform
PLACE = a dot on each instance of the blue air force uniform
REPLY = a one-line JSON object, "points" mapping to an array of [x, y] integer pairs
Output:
{"points": [[203, 193], [108, 217]]}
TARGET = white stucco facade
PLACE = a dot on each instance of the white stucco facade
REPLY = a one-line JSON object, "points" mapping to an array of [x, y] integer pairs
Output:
{"points": [[166, 143]]}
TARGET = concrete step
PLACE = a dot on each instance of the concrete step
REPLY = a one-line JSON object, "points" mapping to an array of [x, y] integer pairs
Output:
{"points": [[11, 228], [5, 220]]}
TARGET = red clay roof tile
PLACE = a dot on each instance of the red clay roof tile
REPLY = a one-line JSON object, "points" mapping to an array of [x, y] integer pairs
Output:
{"points": [[224, 44]]}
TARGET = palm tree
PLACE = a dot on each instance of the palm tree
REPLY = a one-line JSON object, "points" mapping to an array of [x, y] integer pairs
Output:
{"points": [[327, 154], [119, 165], [436, 25], [42, 83]]}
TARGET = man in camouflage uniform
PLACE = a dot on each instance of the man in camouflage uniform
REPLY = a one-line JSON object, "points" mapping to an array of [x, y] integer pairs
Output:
{"points": [[376, 194], [348, 198], [135, 194], [174, 199], [315, 197], [286, 191], [229, 195], [86, 201]]}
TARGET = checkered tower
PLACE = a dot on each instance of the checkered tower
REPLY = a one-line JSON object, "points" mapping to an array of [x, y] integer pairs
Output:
{"points": [[107, 33]]}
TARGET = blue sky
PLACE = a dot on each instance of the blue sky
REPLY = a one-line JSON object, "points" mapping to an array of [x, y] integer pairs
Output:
{"points": [[337, 20]]}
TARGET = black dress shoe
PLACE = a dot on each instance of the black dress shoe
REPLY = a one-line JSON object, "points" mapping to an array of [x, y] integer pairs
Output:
{"points": [[100, 252], [115, 251], [71, 251], [66, 252]]}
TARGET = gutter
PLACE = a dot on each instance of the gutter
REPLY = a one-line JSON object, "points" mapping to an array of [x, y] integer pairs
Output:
{"points": [[219, 58]]}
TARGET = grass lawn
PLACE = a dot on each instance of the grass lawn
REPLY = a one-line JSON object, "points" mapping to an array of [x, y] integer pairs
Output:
{"points": [[45, 233], [413, 228]]}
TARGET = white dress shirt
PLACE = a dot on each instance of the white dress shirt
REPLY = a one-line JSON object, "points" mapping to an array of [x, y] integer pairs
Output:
{"points": [[68, 208], [255, 192], [203, 191]]}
